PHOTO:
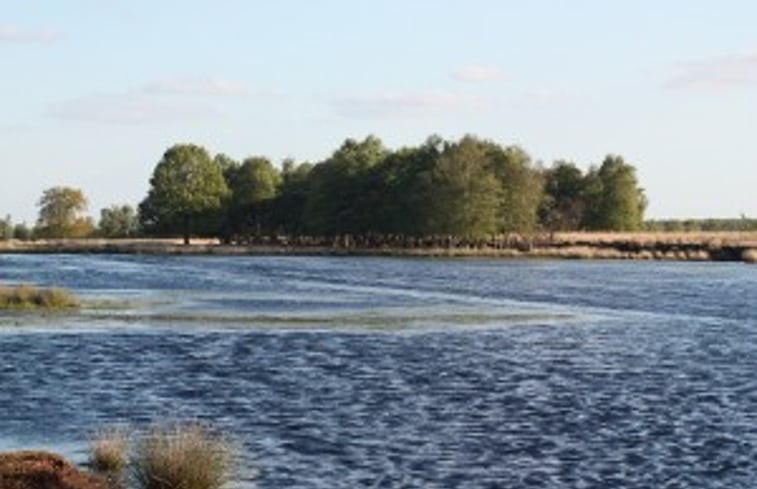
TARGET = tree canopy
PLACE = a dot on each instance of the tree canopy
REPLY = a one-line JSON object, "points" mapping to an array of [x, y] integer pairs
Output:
{"points": [[118, 221], [469, 188], [187, 192], [60, 214]]}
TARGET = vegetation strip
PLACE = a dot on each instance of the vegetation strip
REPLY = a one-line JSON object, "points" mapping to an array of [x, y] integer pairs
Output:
{"points": [[26, 297], [638, 246]]}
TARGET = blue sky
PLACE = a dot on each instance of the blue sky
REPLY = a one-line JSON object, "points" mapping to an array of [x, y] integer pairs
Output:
{"points": [[93, 91]]}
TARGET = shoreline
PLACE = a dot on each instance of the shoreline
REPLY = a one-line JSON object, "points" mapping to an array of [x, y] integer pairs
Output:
{"points": [[735, 247]]}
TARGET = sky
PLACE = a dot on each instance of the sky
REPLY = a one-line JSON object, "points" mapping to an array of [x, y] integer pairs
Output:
{"points": [[93, 92]]}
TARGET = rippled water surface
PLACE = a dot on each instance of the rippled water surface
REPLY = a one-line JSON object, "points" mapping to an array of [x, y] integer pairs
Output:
{"points": [[389, 373]]}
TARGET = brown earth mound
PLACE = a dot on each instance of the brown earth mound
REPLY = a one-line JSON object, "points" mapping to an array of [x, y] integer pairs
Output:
{"points": [[41, 470]]}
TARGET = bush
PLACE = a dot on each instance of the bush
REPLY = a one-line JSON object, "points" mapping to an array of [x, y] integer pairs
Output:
{"points": [[186, 457], [22, 232]]}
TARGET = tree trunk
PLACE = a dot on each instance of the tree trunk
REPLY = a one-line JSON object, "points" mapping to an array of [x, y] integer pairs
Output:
{"points": [[187, 226]]}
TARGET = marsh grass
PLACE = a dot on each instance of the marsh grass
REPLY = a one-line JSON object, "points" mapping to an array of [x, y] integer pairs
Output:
{"points": [[30, 297], [183, 456], [109, 451]]}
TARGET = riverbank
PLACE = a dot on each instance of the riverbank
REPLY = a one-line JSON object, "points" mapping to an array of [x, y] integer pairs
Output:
{"points": [[712, 246]]}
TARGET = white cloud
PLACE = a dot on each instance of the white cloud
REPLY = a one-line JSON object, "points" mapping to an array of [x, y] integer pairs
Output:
{"points": [[478, 74], [129, 109], [204, 87], [716, 74], [169, 100], [404, 103], [12, 34]]}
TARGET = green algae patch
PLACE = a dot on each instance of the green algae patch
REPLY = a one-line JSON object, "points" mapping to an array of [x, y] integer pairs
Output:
{"points": [[29, 297]]}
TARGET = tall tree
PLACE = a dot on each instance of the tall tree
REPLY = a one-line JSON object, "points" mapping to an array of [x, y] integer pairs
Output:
{"points": [[521, 189], [60, 214], [564, 201], [253, 187], [614, 200], [292, 198], [466, 192], [187, 191], [335, 203]]}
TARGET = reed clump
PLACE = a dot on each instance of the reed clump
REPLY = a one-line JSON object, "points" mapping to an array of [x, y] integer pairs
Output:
{"points": [[109, 451], [185, 456], [27, 296]]}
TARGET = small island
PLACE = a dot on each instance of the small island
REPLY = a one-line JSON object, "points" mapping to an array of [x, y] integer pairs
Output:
{"points": [[29, 297]]}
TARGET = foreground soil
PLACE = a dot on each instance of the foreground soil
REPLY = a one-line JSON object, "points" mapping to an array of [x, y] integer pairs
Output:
{"points": [[704, 246], [42, 470]]}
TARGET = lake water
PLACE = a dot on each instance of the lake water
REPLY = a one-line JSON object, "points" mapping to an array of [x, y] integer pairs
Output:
{"points": [[392, 373]]}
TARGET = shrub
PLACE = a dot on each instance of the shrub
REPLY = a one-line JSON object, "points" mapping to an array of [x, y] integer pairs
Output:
{"points": [[186, 457]]}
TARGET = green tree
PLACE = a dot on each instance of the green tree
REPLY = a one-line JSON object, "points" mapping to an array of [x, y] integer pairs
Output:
{"points": [[187, 192], [227, 164], [22, 232], [6, 228], [564, 200], [408, 176], [335, 202], [292, 198], [466, 192], [521, 189], [614, 200], [118, 221], [253, 187], [60, 214]]}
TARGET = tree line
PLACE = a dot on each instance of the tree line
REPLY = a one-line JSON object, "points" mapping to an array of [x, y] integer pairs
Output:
{"points": [[468, 188]]}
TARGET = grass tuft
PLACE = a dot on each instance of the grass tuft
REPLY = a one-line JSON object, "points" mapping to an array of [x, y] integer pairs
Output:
{"points": [[184, 456], [108, 451]]}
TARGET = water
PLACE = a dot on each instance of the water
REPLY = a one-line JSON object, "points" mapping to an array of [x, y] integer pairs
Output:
{"points": [[390, 373]]}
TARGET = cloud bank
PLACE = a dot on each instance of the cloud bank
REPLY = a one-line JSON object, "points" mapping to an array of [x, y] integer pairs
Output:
{"points": [[169, 100], [129, 109], [716, 74], [408, 103], [206, 87]]}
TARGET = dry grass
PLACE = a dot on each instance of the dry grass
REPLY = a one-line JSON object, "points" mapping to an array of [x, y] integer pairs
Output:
{"points": [[109, 451], [715, 238], [31, 297], [750, 256], [182, 457]]}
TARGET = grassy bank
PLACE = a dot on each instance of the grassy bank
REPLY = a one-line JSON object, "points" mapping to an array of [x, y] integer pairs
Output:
{"points": [[694, 246]]}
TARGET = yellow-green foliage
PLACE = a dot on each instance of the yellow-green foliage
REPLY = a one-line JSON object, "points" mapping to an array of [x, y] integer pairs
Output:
{"points": [[31, 297], [186, 457]]}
